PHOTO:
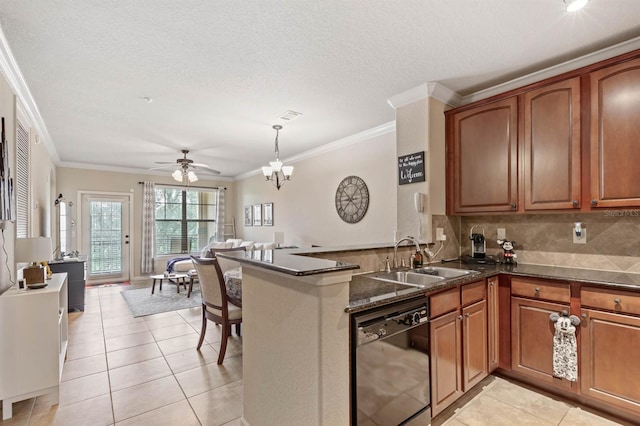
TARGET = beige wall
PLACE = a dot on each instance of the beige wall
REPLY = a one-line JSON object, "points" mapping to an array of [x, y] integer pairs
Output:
{"points": [[8, 111], [304, 209], [71, 181], [420, 127]]}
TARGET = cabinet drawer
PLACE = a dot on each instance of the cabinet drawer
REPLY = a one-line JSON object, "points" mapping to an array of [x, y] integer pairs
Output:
{"points": [[473, 292], [558, 292], [444, 302], [612, 300]]}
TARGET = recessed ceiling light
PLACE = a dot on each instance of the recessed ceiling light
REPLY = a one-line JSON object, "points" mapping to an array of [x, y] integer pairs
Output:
{"points": [[148, 99], [573, 5]]}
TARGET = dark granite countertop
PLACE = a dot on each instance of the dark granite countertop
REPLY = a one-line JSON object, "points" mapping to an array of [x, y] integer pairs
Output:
{"points": [[286, 261], [366, 293]]}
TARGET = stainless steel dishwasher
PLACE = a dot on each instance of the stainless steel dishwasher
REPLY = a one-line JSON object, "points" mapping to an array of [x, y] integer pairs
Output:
{"points": [[390, 382]]}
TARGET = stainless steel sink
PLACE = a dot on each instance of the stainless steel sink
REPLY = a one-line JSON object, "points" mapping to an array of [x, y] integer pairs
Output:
{"points": [[408, 278], [440, 271], [422, 277]]}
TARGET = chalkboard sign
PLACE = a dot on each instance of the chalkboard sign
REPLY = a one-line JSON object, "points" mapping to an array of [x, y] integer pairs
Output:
{"points": [[411, 168]]}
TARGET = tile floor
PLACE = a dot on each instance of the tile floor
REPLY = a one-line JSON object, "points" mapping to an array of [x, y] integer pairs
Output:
{"points": [[122, 370]]}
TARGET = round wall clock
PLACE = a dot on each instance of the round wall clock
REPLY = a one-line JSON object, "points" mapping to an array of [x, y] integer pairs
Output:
{"points": [[352, 199]]}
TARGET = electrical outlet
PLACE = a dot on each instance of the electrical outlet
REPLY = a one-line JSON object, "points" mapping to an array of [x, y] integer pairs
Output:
{"points": [[440, 234], [502, 234], [582, 239]]}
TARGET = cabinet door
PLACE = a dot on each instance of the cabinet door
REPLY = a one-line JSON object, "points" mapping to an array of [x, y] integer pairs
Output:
{"points": [[551, 146], [484, 144], [609, 359], [493, 323], [474, 345], [615, 130], [446, 354], [532, 339]]}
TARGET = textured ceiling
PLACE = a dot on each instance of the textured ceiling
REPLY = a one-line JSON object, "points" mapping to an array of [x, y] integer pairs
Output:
{"points": [[221, 72]]}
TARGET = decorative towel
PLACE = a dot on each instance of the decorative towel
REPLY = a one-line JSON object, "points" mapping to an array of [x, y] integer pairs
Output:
{"points": [[565, 350]]}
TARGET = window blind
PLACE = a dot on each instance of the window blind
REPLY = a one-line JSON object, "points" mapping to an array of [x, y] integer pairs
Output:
{"points": [[22, 181]]}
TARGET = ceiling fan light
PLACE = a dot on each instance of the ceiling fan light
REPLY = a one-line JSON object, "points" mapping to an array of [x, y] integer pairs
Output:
{"points": [[574, 5], [267, 171], [287, 171], [177, 175], [192, 176]]}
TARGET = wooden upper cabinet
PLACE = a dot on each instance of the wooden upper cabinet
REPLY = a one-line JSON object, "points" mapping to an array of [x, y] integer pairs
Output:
{"points": [[485, 153], [615, 135], [551, 146]]}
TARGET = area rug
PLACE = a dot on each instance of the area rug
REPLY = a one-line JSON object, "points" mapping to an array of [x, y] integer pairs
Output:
{"points": [[141, 302]]}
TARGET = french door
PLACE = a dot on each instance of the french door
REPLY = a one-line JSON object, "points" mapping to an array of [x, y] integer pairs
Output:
{"points": [[106, 237]]}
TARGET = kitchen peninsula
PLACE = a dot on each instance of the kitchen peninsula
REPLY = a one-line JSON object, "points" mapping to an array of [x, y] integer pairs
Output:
{"points": [[296, 331]]}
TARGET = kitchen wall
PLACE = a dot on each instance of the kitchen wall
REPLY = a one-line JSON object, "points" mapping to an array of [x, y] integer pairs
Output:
{"points": [[7, 262], [546, 239], [71, 180], [304, 208]]}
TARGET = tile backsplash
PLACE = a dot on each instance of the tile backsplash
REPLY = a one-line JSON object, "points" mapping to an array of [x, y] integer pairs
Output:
{"points": [[613, 238]]}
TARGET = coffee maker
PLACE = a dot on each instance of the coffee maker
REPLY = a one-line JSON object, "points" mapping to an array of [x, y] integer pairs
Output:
{"points": [[478, 243]]}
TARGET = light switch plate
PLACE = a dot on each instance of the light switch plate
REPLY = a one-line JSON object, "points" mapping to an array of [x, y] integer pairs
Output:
{"points": [[502, 233], [440, 234], [582, 239]]}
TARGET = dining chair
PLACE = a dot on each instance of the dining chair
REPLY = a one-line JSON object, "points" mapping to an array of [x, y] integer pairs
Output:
{"points": [[224, 264], [215, 304]]}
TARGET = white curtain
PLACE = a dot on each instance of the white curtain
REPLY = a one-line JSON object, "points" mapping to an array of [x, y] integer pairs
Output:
{"points": [[148, 227], [220, 215]]}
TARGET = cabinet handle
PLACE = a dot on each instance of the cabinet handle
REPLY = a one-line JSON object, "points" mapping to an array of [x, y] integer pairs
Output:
{"points": [[584, 316], [575, 203], [467, 315], [513, 205], [537, 290], [617, 301], [594, 202], [460, 317]]}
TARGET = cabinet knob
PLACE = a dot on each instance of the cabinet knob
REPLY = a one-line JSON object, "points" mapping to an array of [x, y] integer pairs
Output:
{"points": [[537, 290], [513, 205], [460, 317], [594, 202], [617, 301], [575, 203], [467, 315], [584, 316]]}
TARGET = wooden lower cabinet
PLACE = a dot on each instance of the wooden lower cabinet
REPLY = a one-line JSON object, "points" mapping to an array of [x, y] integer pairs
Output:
{"points": [[493, 323], [532, 339], [474, 345], [610, 344], [459, 358], [446, 361]]}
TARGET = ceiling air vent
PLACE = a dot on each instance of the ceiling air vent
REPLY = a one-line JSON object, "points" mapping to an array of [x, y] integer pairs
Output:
{"points": [[289, 115]]}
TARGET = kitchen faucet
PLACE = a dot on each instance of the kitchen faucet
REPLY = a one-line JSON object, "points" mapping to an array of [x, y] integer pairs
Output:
{"points": [[395, 248]]}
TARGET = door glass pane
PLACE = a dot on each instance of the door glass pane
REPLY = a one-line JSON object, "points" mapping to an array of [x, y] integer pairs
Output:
{"points": [[105, 237]]}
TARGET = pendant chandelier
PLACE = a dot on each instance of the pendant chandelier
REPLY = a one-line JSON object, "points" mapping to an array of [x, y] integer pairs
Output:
{"points": [[275, 171]]}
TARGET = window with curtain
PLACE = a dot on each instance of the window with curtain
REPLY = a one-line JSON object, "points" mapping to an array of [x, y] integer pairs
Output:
{"points": [[185, 219]]}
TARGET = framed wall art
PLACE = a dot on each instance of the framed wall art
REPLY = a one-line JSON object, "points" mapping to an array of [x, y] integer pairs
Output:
{"points": [[257, 215], [267, 214], [248, 216]]}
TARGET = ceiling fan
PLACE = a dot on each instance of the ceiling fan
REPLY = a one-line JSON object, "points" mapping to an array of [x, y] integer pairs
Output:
{"points": [[185, 168]]}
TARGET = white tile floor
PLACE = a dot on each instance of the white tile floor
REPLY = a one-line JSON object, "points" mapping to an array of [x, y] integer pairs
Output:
{"points": [[122, 370]]}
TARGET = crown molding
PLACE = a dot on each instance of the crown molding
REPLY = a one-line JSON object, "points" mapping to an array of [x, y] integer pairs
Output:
{"points": [[332, 146], [133, 170], [16, 81], [433, 89], [582, 61]]}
